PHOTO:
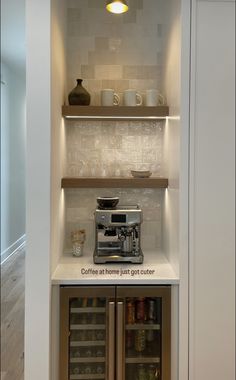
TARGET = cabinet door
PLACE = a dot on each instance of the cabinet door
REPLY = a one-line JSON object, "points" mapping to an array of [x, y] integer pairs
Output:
{"points": [[212, 194], [143, 333], [87, 328]]}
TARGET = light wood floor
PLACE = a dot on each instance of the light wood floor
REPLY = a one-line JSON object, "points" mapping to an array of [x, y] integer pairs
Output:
{"points": [[12, 317]]}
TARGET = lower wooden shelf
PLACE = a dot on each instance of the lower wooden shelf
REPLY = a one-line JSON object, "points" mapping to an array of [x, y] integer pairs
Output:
{"points": [[114, 182], [115, 113]]}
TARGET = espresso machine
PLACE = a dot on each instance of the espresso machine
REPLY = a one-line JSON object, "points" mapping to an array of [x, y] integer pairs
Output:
{"points": [[118, 235]]}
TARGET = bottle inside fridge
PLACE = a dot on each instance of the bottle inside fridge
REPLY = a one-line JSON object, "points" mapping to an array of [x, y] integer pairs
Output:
{"points": [[143, 338]]}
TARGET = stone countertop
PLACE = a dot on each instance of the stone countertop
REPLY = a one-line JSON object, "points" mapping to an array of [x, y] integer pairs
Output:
{"points": [[155, 270]]}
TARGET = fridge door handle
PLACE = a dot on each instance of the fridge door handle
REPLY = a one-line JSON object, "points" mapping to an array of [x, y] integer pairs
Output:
{"points": [[111, 341], [120, 341]]}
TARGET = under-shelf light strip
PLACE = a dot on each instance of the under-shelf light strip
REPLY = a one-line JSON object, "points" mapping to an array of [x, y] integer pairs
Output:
{"points": [[119, 117]]}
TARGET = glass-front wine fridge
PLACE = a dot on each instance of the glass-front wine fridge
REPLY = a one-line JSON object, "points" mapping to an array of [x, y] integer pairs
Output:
{"points": [[115, 333]]}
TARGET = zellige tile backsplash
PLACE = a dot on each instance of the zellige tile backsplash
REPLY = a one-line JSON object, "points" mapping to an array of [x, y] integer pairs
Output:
{"points": [[119, 52], [113, 149], [115, 51]]}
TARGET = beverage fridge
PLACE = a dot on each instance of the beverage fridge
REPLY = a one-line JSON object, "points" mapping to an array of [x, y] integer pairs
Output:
{"points": [[115, 332]]}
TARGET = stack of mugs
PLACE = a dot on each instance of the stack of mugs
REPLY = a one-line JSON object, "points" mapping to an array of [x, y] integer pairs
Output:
{"points": [[131, 98]]}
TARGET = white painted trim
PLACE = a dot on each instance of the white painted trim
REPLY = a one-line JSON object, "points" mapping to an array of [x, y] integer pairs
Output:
{"points": [[216, 1], [184, 191], [191, 184], [7, 253], [38, 200]]}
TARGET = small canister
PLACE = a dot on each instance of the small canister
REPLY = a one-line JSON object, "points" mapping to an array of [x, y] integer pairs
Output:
{"points": [[85, 302], [140, 310], [130, 311], [94, 302], [141, 372], [78, 238], [150, 332], [140, 340], [151, 372], [129, 339], [151, 309]]}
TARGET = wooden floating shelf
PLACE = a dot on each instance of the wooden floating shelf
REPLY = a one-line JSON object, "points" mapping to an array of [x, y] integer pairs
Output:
{"points": [[115, 113], [114, 182]]}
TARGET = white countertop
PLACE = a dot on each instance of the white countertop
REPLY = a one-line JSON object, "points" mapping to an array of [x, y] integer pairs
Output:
{"points": [[155, 270]]}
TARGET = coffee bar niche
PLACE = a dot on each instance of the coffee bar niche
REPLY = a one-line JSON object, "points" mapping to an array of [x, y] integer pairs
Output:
{"points": [[96, 147]]}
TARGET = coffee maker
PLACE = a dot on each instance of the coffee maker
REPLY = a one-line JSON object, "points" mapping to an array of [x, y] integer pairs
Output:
{"points": [[118, 235]]}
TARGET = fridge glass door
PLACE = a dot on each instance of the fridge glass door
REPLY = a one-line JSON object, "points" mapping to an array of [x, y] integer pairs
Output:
{"points": [[91, 320], [87, 338], [146, 334]]}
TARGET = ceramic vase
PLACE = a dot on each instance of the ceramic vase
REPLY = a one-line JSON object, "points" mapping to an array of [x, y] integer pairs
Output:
{"points": [[79, 96]]}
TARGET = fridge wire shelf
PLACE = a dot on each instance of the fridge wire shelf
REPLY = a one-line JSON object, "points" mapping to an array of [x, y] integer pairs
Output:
{"points": [[87, 343], [87, 360], [142, 327], [142, 360], [87, 327], [97, 310], [87, 377]]}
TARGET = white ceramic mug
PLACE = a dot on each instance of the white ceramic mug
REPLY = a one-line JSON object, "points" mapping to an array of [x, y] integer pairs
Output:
{"points": [[109, 97], [154, 98], [132, 98]]}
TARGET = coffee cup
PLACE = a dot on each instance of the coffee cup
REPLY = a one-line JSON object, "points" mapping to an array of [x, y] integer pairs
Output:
{"points": [[109, 97], [132, 98], [154, 98]]}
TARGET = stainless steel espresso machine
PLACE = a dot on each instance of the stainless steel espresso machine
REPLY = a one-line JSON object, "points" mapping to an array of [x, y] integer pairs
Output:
{"points": [[118, 235]]}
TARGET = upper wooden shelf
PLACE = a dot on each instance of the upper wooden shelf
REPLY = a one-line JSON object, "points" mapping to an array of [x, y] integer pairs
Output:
{"points": [[115, 113], [113, 182]]}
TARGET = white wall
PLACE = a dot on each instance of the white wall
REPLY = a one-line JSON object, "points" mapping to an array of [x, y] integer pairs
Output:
{"points": [[171, 88], [13, 33], [38, 187], [12, 126], [212, 193], [12, 158], [171, 85], [58, 154], [176, 87]]}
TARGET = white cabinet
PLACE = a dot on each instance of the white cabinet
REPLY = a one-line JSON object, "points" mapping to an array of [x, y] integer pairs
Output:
{"points": [[212, 251]]}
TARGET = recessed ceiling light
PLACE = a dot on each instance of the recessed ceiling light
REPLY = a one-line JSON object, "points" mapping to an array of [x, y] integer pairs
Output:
{"points": [[117, 6]]}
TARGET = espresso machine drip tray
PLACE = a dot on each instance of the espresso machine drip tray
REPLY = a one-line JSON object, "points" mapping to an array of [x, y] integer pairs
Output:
{"points": [[112, 257], [118, 235]]}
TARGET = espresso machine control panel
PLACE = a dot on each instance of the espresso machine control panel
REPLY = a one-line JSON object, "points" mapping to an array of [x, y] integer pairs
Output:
{"points": [[118, 235], [118, 217]]}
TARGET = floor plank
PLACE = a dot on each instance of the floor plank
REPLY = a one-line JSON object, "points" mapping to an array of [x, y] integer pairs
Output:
{"points": [[12, 317]]}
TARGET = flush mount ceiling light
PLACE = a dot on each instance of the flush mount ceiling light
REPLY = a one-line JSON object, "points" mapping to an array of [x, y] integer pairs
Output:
{"points": [[117, 6]]}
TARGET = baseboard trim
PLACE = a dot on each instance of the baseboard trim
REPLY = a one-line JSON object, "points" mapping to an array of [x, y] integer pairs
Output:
{"points": [[5, 255]]}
